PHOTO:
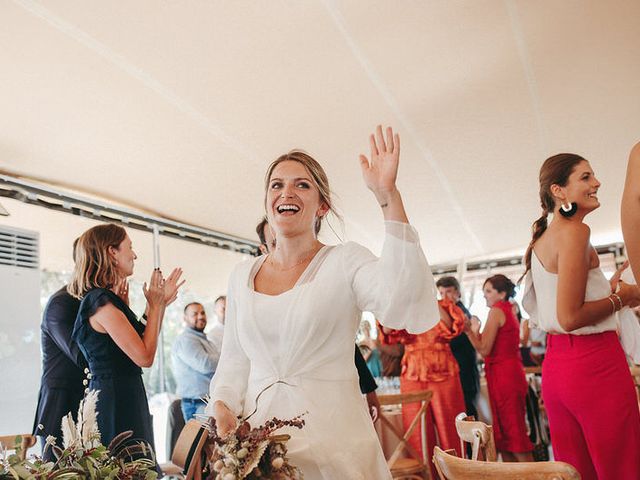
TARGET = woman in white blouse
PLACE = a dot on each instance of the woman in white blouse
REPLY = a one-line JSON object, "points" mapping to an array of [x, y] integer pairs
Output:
{"points": [[587, 389], [292, 316]]}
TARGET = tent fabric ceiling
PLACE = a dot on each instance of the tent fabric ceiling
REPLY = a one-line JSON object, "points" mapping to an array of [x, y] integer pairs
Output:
{"points": [[178, 107]]}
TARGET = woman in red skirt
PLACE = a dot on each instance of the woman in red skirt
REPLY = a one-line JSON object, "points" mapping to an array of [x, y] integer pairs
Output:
{"points": [[499, 345]]}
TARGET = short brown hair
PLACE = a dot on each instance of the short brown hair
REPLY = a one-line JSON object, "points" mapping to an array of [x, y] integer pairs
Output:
{"points": [[446, 282], [316, 172], [189, 304], [94, 266]]}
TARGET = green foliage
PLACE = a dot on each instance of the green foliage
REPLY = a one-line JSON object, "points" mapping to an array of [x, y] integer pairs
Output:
{"points": [[79, 463]]}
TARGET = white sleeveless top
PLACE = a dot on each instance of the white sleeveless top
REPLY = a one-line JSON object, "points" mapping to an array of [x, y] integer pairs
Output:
{"points": [[540, 299]]}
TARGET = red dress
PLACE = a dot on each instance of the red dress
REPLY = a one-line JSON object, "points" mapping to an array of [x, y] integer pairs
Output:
{"points": [[507, 386], [428, 364]]}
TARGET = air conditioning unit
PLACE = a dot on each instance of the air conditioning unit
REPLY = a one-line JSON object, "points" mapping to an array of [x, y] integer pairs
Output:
{"points": [[19, 329]]}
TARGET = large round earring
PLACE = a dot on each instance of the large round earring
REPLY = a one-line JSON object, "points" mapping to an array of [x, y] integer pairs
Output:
{"points": [[568, 210]]}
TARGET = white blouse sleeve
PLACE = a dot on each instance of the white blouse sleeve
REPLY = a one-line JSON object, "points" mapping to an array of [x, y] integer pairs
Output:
{"points": [[229, 384], [398, 288]]}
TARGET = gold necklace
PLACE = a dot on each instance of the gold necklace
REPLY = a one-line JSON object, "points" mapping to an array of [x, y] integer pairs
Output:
{"points": [[305, 259]]}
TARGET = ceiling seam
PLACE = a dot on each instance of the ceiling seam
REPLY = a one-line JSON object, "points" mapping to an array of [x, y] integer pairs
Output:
{"points": [[138, 73], [384, 91], [530, 77]]}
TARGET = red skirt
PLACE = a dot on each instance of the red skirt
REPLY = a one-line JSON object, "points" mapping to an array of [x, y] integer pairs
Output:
{"points": [[507, 386]]}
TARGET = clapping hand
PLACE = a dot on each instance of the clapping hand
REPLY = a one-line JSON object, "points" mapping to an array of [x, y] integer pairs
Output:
{"points": [[615, 279], [629, 294], [171, 286], [475, 325], [380, 172], [121, 289], [155, 292]]}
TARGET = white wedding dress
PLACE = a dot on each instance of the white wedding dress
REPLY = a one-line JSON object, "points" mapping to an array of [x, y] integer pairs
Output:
{"points": [[303, 339]]}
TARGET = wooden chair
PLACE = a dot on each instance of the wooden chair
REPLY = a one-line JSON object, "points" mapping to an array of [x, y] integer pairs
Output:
{"points": [[187, 459], [450, 467], [175, 424], [537, 370], [26, 442], [415, 466], [479, 435]]}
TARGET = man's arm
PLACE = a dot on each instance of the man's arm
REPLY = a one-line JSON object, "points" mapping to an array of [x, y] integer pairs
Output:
{"points": [[192, 353]]}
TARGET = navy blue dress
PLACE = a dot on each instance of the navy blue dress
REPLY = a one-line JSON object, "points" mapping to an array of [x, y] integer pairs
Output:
{"points": [[122, 401], [61, 388]]}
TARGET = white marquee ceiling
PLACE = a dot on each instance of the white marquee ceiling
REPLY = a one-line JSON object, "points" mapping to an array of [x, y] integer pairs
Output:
{"points": [[177, 107]]}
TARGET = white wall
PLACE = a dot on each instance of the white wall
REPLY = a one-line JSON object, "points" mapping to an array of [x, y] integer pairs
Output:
{"points": [[19, 347]]}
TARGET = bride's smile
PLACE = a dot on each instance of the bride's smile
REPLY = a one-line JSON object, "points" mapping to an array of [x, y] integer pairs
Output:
{"points": [[294, 200]]}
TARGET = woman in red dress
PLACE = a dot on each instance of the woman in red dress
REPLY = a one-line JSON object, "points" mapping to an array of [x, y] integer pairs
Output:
{"points": [[428, 364], [499, 345]]}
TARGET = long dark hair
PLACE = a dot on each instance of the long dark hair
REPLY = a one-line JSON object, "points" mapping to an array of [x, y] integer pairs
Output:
{"points": [[502, 283], [554, 171]]}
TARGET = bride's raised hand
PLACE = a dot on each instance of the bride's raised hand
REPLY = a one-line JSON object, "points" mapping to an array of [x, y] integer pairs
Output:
{"points": [[381, 170]]}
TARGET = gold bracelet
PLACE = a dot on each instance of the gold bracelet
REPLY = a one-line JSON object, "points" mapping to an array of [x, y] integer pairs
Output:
{"points": [[617, 297], [613, 304]]}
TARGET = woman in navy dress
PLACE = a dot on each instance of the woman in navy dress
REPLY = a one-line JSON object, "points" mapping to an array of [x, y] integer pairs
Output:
{"points": [[115, 344]]}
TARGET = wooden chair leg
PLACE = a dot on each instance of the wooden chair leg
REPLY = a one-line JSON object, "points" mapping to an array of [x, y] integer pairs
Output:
{"points": [[197, 475]]}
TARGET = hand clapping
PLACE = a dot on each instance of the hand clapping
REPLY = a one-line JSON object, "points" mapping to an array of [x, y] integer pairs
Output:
{"points": [[475, 325], [172, 285], [615, 278], [155, 292], [121, 288]]}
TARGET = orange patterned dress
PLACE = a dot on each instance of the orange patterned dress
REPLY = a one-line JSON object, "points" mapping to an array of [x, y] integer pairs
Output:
{"points": [[428, 364]]}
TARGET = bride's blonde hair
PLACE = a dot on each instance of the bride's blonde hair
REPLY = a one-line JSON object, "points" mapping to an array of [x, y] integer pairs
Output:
{"points": [[318, 176]]}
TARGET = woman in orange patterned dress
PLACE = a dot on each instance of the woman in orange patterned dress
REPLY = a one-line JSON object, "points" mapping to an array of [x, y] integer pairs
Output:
{"points": [[428, 364]]}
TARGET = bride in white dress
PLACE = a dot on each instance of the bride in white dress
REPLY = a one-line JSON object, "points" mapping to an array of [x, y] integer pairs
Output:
{"points": [[292, 317]]}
